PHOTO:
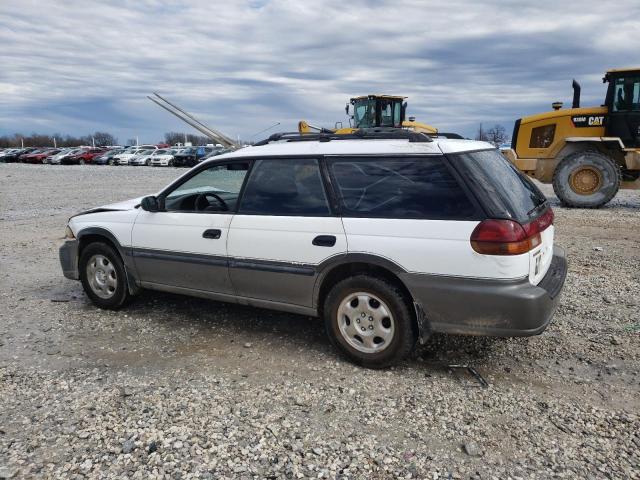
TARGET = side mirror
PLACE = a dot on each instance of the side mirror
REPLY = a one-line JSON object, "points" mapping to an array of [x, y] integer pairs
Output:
{"points": [[150, 204]]}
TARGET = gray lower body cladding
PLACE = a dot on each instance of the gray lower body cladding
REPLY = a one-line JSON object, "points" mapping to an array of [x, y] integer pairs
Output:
{"points": [[447, 304], [489, 307]]}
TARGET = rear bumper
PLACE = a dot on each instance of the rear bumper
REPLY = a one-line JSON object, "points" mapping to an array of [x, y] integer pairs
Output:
{"points": [[489, 307], [69, 259]]}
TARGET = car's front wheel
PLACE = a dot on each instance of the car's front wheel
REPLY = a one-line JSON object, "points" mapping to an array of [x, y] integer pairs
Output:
{"points": [[103, 276], [369, 320]]}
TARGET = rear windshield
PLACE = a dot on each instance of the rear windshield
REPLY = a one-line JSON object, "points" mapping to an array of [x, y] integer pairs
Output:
{"points": [[501, 187]]}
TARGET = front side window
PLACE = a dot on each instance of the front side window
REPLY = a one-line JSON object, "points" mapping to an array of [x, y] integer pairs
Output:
{"points": [[399, 188], [214, 190], [287, 187]]}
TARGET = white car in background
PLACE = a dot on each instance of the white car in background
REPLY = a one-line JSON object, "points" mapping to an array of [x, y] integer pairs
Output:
{"points": [[126, 157], [162, 158]]}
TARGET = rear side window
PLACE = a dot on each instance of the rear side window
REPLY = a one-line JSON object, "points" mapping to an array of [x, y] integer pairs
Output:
{"points": [[400, 188], [503, 189], [285, 187]]}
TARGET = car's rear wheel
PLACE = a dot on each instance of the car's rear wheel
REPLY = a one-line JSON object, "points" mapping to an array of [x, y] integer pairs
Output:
{"points": [[369, 320], [110, 161], [81, 162], [103, 276]]}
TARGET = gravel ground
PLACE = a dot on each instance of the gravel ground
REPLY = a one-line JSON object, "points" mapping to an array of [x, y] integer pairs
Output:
{"points": [[173, 387]]}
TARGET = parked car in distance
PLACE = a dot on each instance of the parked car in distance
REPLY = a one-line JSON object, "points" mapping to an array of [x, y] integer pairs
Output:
{"points": [[8, 153], [142, 157], [23, 156], [83, 156], [190, 156], [57, 158], [388, 238], [108, 157], [41, 155], [15, 156], [125, 157], [162, 157]]}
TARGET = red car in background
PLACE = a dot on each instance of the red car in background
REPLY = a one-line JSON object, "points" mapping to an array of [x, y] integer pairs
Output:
{"points": [[40, 156], [23, 157], [85, 156]]}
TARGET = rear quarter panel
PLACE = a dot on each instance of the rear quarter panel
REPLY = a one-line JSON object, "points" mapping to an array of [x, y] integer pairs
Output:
{"points": [[437, 247]]}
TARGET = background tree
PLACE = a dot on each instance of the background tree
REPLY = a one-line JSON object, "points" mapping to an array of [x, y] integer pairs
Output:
{"points": [[104, 139], [44, 140], [176, 137], [497, 135]]}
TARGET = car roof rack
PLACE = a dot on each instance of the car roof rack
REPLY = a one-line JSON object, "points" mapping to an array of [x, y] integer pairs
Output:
{"points": [[360, 134]]}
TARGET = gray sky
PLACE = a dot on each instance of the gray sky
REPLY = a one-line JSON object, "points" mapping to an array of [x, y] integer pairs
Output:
{"points": [[80, 66]]}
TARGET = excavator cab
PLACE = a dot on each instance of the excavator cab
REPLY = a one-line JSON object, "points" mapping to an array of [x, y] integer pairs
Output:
{"points": [[623, 103], [372, 111]]}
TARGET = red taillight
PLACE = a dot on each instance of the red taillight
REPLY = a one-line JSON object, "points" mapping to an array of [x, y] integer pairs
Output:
{"points": [[506, 237]]}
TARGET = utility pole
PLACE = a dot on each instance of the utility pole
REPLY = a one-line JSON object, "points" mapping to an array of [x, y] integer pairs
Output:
{"points": [[55, 144]]}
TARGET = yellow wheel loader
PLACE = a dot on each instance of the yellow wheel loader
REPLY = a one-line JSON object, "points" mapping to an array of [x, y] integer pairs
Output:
{"points": [[373, 111], [587, 153]]}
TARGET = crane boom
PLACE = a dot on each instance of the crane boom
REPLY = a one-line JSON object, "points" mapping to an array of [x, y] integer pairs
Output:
{"points": [[194, 122]]}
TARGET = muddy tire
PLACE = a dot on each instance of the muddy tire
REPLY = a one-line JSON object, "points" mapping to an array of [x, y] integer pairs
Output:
{"points": [[103, 276], [586, 179], [369, 321]]}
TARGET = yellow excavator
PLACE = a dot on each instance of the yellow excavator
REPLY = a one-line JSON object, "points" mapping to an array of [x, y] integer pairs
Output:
{"points": [[587, 153], [373, 111]]}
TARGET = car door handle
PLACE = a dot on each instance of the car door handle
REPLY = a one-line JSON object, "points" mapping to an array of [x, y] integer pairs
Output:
{"points": [[324, 241], [213, 233]]}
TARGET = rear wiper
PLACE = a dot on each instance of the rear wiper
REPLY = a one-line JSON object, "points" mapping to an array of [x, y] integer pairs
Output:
{"points": [[538, 207]]}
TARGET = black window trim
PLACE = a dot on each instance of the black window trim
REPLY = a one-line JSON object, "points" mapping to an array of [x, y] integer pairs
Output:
{"points": [[479, 211]]}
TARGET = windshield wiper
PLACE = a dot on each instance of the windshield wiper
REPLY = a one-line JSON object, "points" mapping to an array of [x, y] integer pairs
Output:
{"points": [[538, 207]]}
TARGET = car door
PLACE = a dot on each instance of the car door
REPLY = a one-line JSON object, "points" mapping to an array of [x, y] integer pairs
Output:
{"points": [[184, 244], [283, 231]]}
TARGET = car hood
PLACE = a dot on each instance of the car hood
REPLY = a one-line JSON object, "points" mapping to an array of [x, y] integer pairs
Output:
{"points": [[114, 207]]}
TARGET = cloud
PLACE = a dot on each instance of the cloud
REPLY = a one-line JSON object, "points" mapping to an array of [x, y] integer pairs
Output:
{"points": [[80, 66]]}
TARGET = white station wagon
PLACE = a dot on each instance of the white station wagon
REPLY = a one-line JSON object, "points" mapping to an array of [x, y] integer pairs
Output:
{"points": [[388, 236]]}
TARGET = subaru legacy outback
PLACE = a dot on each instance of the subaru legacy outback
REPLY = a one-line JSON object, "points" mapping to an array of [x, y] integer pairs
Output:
{"points": [[387, 237]]}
